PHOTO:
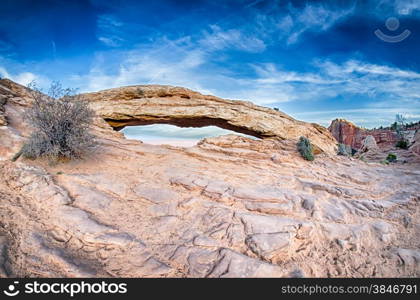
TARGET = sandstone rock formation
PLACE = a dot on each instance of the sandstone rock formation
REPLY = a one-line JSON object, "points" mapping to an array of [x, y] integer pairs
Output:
{"points": [[368, 144], [142, 105], [3, 100], [347, 133], [415, 147], [229, 207], [3, 120]]}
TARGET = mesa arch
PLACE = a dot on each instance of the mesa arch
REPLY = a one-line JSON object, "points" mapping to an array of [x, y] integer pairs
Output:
{"points": [[157, 104]]}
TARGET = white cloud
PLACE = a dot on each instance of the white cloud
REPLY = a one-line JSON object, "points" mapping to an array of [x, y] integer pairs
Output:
{"points": [[365, 117], [109, 30], [184, 63], [353, 66], [314, 17], [402, 7], [111, 42], [393, 84], [164, 62], [188, 62], [218, 39], [23, 78], [269, 73]]}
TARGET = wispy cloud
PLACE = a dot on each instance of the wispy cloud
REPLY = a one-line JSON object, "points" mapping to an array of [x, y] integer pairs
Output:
{"points": [[314, 17], [391, 83], [185, 63], [262, 51], [402, 7], [164, 62], [109, 30], [366, 117], [23, 78], [218, 39]]}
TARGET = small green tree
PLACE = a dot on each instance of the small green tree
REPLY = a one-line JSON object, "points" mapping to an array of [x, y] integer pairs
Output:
{"points": [[305, 148], [394, 126], [391, 157], [400, 122]]}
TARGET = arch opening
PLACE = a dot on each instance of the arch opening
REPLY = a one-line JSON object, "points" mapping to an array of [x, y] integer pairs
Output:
{"points": [[184, 122], [168, 134]]}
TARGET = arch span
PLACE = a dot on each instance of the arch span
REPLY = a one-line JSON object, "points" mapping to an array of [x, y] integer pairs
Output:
{"points": [[155, 104]]}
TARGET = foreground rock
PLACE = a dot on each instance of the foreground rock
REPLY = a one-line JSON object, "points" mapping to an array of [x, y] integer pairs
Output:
{"points": [[228, 207]]}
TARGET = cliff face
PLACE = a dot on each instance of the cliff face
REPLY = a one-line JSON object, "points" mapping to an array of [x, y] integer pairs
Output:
{"points": [[347, 133], [227, 207]]}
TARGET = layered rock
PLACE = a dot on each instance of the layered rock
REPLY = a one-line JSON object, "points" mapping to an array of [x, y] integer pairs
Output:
{"points": [[347, 133], [229, 207], [368, 144], [3, 120], [415, 147], [142, 105]]}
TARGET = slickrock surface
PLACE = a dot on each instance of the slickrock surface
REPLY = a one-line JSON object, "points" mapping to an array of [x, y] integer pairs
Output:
{"points": [[228, 207], [151, 104]]}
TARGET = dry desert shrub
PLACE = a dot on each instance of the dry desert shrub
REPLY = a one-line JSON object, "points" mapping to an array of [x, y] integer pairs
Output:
{"points": [[61, 122]]}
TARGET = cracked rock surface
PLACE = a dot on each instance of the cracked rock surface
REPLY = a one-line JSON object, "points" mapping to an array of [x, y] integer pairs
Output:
{"points": [[228, 207]]}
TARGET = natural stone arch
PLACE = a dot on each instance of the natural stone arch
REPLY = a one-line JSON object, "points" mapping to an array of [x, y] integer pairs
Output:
{"points": [[156, 104]]}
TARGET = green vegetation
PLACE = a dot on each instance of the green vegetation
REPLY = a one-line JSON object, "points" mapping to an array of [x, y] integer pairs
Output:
{"points": [[400, 126], [305, 148], [391, 158], [403, 144]]}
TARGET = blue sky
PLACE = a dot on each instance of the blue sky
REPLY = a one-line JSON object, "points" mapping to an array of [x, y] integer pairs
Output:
{"points": [[315, 60]]}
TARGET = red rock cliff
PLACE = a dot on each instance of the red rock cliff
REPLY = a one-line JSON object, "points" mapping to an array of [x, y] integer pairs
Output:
{"points": [[347, 133]]}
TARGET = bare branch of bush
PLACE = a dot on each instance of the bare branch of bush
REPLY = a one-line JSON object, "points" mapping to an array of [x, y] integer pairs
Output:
{"points": [[61, 122]]}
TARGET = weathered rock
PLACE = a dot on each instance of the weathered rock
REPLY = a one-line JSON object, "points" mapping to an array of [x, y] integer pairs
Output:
{"points": [[229, 207], [347, 133], [151, 104], [3, 121], [268, 245], [415, 147], [237, 265], [368, 144]]}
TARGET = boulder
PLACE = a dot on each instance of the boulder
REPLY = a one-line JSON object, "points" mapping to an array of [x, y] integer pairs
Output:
{"points": [[368, 144]]}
